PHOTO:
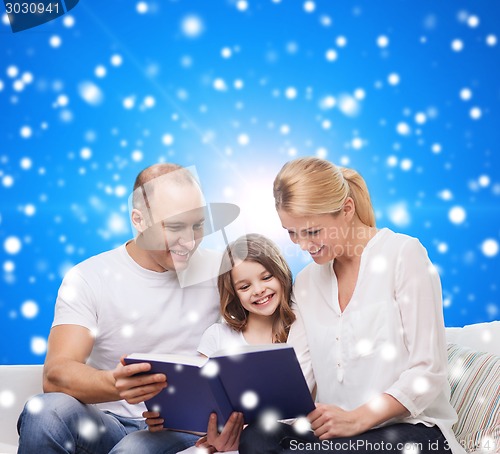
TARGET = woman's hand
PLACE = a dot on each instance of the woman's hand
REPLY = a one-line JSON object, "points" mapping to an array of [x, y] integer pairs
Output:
{"points": [[153, 420], [330, 421]]}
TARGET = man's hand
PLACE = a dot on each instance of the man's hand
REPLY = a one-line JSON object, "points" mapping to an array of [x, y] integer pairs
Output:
{"points": [[228, 439], [137, 388], [153, 420]]}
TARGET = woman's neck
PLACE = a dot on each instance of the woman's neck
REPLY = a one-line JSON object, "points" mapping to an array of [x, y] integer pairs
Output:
{"points": [[259, 329], [360, 237]]}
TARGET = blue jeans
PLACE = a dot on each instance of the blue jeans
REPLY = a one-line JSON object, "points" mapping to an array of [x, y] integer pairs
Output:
{"points": [[394, 439], [165, 442], [58, 423]]}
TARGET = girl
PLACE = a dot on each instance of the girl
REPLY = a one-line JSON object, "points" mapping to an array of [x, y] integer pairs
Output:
{"points": [[369, 316], [255, 287]]}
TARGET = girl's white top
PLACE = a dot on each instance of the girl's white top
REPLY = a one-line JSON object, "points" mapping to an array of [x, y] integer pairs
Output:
{"points": [[389, 339]]}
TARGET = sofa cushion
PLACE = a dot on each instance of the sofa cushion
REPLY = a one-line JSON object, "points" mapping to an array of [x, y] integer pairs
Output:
{"points": [[483, 337], [475, 394]]}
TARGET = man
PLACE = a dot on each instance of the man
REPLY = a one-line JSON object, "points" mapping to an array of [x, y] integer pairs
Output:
{"points": [[130, 299]]}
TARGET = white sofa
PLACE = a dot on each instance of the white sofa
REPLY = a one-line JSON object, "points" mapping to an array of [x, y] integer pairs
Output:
{"points": [[473, 377]]}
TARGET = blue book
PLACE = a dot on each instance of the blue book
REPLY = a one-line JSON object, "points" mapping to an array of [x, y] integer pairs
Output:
{"points": [[260, 381]]}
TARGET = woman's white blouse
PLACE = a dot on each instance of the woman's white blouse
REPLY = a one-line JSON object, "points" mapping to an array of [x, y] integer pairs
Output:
{"points": [[389, 339]]}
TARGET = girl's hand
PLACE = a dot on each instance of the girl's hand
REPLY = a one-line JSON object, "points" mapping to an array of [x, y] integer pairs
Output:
{"points": [[153, 420], [227, 440], [330, 421]]}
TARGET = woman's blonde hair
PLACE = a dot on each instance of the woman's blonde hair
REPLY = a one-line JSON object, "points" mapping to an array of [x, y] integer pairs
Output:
{"points": [[259, 249], [312, 186]]}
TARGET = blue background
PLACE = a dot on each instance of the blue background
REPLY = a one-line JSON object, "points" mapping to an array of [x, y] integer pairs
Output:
{"points": [[236, 89]]}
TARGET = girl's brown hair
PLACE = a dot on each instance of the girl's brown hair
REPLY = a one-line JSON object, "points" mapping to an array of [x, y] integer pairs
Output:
{"points": [[259, 249], [312, 186]]}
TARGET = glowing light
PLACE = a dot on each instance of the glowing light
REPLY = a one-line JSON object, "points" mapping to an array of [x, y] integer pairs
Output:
{"points": [[34, 405], [220, 85], [331, 55], [100, 71], [378, 264], [90, 93], [457, 45], [393, 79], [26, 132], [348, 105], [364, 347], [210, 369], [302, 425], [38, 345], [399, 215], [382, 41], [192, 26], [457, 215], [26, 163], [473, 21], [116, 60], [29, 309], [249, 400], [88, 429], [12, 245], [291, 93], [142, 7], [465, 94], [309, 6], [137, 156], [269, 420], [476, 113], [242, 5], [489, 247], [341, 41], [243, 139], [86, 153], [7, 398], [55, 41], [403, 128], [167, 139], [491, 40]]}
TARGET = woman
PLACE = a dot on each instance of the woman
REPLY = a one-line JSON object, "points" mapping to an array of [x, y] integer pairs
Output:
{"points": [[369, 329]]}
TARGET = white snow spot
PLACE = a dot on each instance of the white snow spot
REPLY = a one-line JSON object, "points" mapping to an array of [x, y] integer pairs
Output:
{"points": [[38, 345], [12, 245], [489, 247], [249, 400], [29, 309], [457, 215], [90, 93], [192, 26]]}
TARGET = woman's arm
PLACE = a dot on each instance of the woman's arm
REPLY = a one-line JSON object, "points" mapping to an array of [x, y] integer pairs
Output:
{"points": [[330, 421], [418, 294]]}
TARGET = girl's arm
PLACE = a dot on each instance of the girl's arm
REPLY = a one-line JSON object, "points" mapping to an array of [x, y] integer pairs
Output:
{"points": [[298, 340]]}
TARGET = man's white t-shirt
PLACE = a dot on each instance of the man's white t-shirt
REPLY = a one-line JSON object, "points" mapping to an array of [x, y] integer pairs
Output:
{"points": [[130, 309]]}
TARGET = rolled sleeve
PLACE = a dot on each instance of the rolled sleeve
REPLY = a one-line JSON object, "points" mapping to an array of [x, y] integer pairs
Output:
{"points": [[418, 294]]}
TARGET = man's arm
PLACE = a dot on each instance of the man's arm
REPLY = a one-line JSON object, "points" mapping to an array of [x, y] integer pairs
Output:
{"points": [[65, 371]]}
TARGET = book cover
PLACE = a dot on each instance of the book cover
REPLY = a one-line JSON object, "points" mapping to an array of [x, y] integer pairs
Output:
{"points": [[254, 380]]}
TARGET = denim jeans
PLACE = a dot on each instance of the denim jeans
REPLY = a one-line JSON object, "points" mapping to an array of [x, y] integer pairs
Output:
{"points": [[58, 423], [165, 442], [394, 439]]}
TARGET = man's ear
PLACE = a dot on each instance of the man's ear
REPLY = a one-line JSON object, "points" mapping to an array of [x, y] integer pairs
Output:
{"points": [[138, 220], [349, 209]]}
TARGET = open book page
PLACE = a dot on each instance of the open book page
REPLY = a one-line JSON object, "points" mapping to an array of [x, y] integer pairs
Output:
{"points": [[186, 360]]}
